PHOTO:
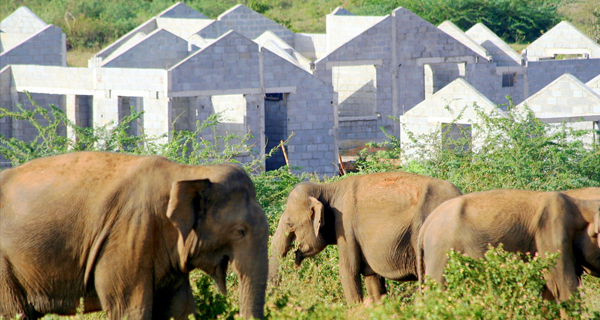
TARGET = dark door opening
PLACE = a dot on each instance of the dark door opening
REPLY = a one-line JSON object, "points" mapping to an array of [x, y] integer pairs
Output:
{"points": [[275, 127]]}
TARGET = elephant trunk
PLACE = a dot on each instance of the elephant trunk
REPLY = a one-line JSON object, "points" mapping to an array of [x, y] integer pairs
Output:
{"points": [[251, 267], [280, 245]]}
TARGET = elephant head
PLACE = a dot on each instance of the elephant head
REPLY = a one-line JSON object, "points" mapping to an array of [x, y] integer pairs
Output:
{"points": [[219, 222], [303, 221]]}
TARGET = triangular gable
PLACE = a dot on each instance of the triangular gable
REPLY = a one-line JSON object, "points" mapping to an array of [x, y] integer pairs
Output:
{"points": [[182, 11], [565, 96], [339, 11], [144, 29], [435, 35], [564, 38], [594, 84], [455, 32], [452, 99], [159, 50], [16, 22], [252, 24], [219, 65], [502, 53], [380, 32]]}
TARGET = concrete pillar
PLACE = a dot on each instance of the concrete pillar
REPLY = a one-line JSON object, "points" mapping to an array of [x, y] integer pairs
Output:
{"points": [[71, 112], [255, 122]]}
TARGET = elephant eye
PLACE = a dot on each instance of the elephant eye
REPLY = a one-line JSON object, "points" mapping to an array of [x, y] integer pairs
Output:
{"points": [[242, 232]]}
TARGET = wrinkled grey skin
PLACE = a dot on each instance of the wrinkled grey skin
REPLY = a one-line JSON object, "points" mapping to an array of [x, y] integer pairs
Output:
{"points": [[123, 232], [374, 220], [523, 221]]}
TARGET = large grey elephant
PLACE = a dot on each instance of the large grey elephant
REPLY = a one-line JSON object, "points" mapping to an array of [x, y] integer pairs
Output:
{"points": [[523, 221], [374, 219], [123, 232]]}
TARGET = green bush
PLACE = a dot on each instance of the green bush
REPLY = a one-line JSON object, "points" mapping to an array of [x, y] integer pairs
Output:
{"points": [[515, 151]]}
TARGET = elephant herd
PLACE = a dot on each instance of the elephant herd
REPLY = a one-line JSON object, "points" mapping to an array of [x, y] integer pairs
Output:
{"points": [[123, 232]]}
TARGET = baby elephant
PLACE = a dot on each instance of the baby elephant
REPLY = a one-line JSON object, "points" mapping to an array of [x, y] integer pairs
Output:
{"points": [[374, 219], [523, 221]]}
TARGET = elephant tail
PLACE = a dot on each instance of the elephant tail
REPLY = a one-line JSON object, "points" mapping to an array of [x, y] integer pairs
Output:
{"points": [[420, 262]]}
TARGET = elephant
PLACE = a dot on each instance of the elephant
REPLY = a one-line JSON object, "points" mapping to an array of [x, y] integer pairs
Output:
{"points": [[123, 232], [523, 221], [374, 220], [589, 193]]}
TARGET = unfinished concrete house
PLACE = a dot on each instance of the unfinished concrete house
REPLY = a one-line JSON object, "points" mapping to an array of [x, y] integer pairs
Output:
{"points": [[451, 111], [26, 39], [333, 90], [568, 100], [175, 83]]}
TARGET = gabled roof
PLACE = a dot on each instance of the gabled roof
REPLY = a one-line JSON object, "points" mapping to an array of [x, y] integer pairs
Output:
{"points": [[182, 11], [451, 99], [251, 24], [564, 38], [565, 96], [339, 11], [11, 22], [501, 52], [217, 43], [159, 50], [272, 42], [455, 32], [594, 84]]}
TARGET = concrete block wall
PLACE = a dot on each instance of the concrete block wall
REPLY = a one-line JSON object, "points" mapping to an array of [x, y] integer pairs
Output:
{"points": [[124, 43], [148, 84], [356, 132], [456, 33], [357, 90], [159, 50], [22, 129], [400, 46], [340, 28], [563, 38], [594, 84], [182, 27], [231, 62], [53, 79], [19, 26], [252, 24], [5, 100], [311, 45], [457, 98], [310, 113], [541, 73], [47, 47], [487, 78], [184, 113], [565, 96], [502, 53], [181, 11]]}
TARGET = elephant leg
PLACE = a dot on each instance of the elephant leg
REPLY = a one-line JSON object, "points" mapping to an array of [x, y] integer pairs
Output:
{"points": [[375, 286], [124, 294], [434, 262], [176, 305], [350, 259], [13, 300]]}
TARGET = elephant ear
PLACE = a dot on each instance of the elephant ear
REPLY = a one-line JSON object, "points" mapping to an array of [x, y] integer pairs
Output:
{"points": [[180, 209], [316, 212]]}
